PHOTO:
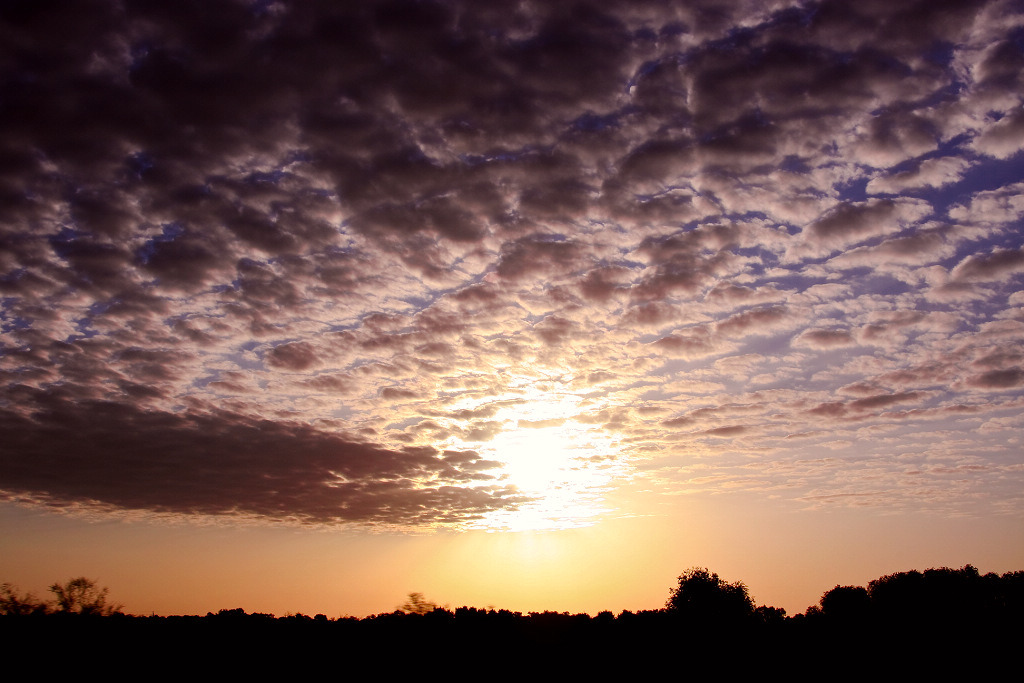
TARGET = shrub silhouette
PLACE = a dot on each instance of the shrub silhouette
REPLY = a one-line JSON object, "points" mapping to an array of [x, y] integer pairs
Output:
{"points": [[14, 604]]}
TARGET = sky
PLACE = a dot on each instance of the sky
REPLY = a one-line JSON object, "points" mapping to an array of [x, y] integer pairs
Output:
{"points": [[308, 305]]}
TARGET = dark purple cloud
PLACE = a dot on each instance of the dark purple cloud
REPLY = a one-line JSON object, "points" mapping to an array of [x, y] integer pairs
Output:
{"points": [[221, 463]]}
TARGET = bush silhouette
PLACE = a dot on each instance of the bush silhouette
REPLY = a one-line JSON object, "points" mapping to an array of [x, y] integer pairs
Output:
{"points": [[14, 604]]}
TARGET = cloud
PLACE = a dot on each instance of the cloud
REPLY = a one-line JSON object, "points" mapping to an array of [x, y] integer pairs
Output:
{"points": [[695, 343], [1002, 139], [538, 254], [370, 235], [1003, 205], [987, 267], [999, 379], [883, 400], [227, 464], [921, 248], [756, 321], [854, 222], [824, 339], [930, 173], [292, 356]]}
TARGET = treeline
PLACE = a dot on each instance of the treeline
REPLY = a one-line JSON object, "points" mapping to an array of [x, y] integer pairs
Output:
{"points": [[934, 596], [911, 621], [700, 597]]}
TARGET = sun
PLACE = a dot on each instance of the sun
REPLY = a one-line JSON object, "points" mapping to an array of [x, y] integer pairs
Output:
{"points": [[535, 460], [564, 465]]}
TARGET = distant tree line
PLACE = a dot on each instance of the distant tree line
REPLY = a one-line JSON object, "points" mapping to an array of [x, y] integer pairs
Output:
{"points": [[934, 596], [700, 597], [910, 622]]}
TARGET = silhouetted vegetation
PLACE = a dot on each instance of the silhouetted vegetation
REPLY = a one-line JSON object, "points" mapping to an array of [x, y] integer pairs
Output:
{"points": [[80, 596], [703, 598], [925, 599], [910, 621], [417, 604], [13, 603]]}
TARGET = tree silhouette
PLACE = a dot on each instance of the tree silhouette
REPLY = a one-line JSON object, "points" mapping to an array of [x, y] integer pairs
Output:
{"points": [[417, 604], [701, 596], [849, 603], [82, 596]]}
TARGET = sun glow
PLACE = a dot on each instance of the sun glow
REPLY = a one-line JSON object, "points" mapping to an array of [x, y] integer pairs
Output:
{"points": [[538, 460], [564, 464]]}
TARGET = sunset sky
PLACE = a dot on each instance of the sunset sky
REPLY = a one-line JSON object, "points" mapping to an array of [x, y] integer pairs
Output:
{"points": [[533, 304]]}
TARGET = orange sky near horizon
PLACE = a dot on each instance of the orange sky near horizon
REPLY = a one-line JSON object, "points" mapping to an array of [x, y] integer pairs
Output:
{"points": [[786, 560]]}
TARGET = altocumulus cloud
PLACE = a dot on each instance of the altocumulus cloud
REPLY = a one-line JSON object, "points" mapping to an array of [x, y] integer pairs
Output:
{"points": [[305, 260]]}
